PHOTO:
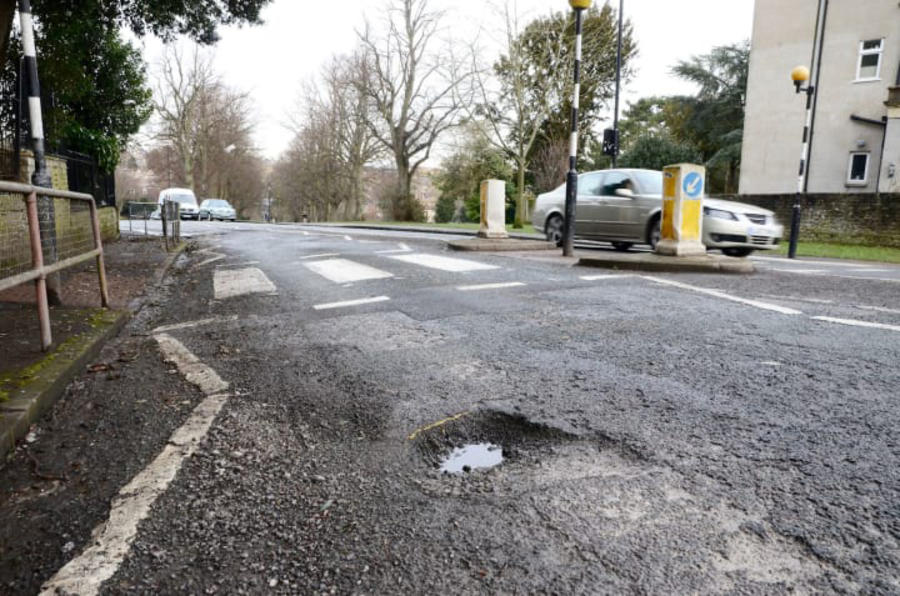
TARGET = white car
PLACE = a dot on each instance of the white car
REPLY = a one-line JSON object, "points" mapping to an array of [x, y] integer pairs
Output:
{"points": [[624, 207], [217, 209], [187, 201]]}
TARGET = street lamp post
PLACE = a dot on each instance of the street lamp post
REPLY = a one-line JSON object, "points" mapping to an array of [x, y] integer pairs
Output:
{"points": [[579, 6], [800, 75]]}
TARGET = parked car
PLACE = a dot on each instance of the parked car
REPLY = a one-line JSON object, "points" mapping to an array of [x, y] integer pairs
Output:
{"points": [[187, 201], [624, 207], [217, 209], [156, 213]]}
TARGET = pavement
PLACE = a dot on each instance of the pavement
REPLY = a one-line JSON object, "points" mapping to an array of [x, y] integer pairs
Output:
{"points": [[31, 380], [289, 394]]}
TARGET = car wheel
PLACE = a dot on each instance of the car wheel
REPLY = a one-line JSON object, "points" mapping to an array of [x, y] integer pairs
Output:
{"points": [[655, 233], [735, 251], [554, 229], [622, 246]]}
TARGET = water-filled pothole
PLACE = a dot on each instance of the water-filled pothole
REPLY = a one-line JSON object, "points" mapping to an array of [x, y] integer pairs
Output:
{"points": [[472, 456]]}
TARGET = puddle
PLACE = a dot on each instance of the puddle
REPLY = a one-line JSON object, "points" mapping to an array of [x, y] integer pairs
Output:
{"points": [[469, 457]]}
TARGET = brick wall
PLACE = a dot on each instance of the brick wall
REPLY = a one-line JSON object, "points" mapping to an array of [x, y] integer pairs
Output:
{"points": [[866, 219]]}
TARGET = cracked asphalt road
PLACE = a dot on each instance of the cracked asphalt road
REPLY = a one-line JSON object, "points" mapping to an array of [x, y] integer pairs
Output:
{"points": [[656, 438]]}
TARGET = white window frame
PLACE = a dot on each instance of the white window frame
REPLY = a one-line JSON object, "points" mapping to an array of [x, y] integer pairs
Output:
{"points": [[879, 51], [865, 179]]}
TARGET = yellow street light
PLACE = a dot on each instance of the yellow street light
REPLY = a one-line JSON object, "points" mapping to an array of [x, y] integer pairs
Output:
{"points": [[799, 75], [580, 4]]}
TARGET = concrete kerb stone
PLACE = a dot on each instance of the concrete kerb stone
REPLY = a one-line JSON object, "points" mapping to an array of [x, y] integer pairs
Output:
{"points": [[59, 367], [500, 244], [62, 365], [659, 263]]}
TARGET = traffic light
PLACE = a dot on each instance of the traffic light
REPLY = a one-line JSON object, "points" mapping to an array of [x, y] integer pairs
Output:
{"points": [[611, 142]]}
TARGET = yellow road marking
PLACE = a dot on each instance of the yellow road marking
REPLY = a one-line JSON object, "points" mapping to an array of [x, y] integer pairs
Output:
{"points": [[435, 425]]}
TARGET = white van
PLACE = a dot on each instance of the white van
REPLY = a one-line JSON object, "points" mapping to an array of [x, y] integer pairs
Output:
{"points": [[186, 200]]}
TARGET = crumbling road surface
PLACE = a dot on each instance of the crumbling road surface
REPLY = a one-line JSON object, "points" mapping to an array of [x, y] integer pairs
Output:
{"points": [[276, 420]]}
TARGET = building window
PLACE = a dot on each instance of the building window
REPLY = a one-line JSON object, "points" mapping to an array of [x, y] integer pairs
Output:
{"points": [[858, 170], [869, 66]]}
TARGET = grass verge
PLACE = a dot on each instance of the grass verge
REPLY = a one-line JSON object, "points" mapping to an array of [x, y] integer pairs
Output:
{"points": [[845, 251]]}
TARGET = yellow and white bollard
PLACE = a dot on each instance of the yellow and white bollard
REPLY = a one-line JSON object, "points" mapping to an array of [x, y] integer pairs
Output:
{"points": [[493, 209], [682, 212]]}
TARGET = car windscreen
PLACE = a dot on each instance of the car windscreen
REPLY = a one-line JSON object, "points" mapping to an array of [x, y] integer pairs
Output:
{"points": [[183, 199], [650, 182], [219, 203]]}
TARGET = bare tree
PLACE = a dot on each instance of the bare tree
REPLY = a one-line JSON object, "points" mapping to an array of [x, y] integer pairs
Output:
{"points": [[204, 132], [413, 90], [514, 104], [550, 164]]}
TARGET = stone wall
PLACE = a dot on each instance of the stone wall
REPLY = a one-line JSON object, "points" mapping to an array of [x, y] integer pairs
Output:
{"points": [[109, 224], [866, 219]]}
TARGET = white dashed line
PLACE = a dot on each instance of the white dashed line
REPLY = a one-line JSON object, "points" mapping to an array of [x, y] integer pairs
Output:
{"points": [[194, 371], [444, 263], [322, 255], [856, 323], [350, 238], [494, 286], [229, 283], [800, 271], [347, 303], [111, 541], [190, 324], [344, 271], [770, 363], [892, 311], [724, 296], [403, 248], [210, 260], [599, 277]]}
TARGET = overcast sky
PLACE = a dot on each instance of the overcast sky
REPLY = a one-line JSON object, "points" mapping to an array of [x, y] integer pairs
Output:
{"points": [[297, 37]]}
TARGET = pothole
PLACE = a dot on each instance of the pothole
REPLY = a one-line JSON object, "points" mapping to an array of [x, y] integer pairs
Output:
{"points": [[471, 457], [482, 440]]}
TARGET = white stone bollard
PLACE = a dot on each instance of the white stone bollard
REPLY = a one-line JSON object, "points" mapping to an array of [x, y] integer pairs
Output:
{"points": [[493, 209]]}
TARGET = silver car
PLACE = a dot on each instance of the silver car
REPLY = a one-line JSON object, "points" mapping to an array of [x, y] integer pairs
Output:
{"points": [[216, 209], [624, 207]]}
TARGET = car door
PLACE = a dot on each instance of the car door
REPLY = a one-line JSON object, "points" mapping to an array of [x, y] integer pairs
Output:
{"points": [[589, 186], [618, 217]]}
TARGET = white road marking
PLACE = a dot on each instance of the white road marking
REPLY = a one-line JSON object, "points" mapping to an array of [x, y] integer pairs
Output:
{"points": [[210, 260], [860, 278], [344, 271], [111, 541], [322, 255], [347, 303], [403, 248], [892, 311], [770, 363], [444, 263], [494, 286], [599, 277], [244, 264], [798, 299], [190, 324], [229, 283], [856, 323], [194, 371], [724, 296], [350, 238], [800, 271]]}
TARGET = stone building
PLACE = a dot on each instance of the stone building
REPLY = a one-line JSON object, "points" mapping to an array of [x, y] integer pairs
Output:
{"points": [[855, 135]]}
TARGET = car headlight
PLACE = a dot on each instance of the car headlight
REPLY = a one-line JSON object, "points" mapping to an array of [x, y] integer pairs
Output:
{"points": [[719, 214]]}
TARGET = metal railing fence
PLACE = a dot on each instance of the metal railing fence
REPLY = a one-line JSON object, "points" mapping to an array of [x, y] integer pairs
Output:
{"points": [[145, 213], [39, 237]]}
